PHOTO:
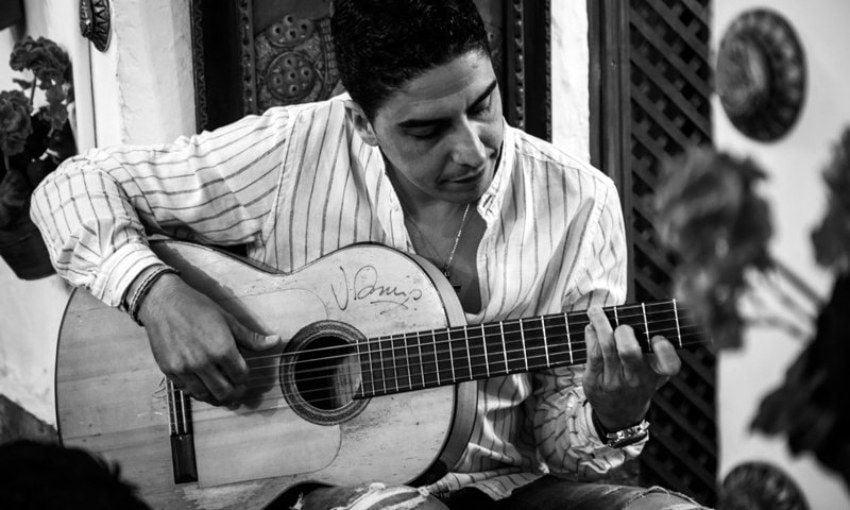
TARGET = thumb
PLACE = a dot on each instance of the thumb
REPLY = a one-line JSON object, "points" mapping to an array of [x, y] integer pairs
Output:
{"points": [[249, 338]]}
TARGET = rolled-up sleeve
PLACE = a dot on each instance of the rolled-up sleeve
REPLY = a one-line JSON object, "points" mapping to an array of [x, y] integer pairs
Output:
{"points": [[563, 428], [96, 211]]}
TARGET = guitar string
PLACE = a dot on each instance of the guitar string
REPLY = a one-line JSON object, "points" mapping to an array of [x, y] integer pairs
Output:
{"points": [[407, 377], [473, 335], [653, 310], [508, 323], [342, 395], [402, 353], [437, 358], [198, 414], [473, 332], [687, 339]]}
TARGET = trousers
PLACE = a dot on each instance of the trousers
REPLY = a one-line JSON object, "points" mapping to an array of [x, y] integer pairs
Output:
{"points": [[546, 493]]}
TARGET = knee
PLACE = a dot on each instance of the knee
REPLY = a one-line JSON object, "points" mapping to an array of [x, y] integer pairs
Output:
{"points": [[373, 497], [657, 498]]}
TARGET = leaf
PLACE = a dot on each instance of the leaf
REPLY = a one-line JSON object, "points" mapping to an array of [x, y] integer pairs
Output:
{"points": [[24, 84]]}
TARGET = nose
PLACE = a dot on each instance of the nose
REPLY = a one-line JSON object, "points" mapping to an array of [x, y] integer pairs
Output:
{"points": [[467, 147]]}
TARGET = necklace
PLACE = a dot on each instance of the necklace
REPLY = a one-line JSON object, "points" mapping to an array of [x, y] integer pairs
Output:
{"points": [[448, 262]]}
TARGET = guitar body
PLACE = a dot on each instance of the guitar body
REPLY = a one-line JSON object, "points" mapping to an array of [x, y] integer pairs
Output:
{"points": [[113, 399]]}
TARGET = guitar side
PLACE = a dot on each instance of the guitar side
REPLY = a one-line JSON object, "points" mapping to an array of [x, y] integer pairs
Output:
{"points": [[111, 396]]}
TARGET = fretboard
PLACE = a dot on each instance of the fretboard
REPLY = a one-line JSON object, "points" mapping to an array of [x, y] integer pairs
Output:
{"points": [[427, 359]]}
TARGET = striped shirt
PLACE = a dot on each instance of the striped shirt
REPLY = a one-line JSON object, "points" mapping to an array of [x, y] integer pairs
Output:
{"points": [[297, 183]]}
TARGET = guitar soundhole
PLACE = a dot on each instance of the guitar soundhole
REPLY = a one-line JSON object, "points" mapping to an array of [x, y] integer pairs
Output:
{"points": [[326, 373], [320, 373]]}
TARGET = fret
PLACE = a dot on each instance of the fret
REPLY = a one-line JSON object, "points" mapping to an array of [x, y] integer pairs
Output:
{"points": [[559, 347], [524, 348], [616, 317], [421, 363], [477, 352], [460, 354], [536, 350], [504, 346], [468, 352], [430, 367], [493, 339], [515, 346], [569, 338], [395, 368], [676, 315], [646, 326], [484, 344], [442, 353], [381, 351], [545, 339], [406, 358]]}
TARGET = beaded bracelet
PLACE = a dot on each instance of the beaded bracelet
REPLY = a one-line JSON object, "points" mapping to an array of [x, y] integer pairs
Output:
{"points": [[135, 302]]}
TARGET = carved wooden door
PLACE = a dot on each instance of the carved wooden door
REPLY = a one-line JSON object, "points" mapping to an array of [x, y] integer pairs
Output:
{"points": [[253, 54]]}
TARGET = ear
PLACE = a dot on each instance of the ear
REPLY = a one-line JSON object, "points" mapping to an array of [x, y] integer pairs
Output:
{"points": [[357, 117]]}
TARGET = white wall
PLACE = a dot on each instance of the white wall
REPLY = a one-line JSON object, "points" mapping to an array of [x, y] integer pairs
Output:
{"points": [[570, 75], [798, 198], [139, 91]]}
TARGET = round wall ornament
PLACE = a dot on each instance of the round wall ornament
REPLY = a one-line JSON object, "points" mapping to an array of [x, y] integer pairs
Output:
{"points": [[760, 485], [95, 21], [761, 75]]}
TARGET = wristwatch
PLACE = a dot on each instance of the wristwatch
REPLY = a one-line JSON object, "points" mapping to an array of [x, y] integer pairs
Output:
{"points": [[623, 437]]}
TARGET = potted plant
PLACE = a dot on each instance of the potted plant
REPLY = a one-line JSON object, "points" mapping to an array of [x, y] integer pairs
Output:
{"points": [[33, 142]]}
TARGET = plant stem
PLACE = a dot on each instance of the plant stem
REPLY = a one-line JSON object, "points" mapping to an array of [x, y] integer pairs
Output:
{"points": [[34, 86]]}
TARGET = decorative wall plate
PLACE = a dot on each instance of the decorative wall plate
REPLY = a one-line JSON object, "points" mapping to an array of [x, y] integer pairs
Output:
{"points": [[95, 21], [761, 75], [760, 486]]}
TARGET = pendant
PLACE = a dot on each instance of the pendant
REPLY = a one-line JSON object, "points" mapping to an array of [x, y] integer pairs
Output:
{"points": [[448, 275]]}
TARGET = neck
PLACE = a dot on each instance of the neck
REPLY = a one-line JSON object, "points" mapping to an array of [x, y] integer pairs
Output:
{"points": [[425, 359]]}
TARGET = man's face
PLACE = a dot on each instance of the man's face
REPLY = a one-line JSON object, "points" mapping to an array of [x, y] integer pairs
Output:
{"points": [[442, 131]]}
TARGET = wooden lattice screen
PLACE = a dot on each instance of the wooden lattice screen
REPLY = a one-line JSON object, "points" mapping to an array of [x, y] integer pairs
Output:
{"points": [[650, 64]]}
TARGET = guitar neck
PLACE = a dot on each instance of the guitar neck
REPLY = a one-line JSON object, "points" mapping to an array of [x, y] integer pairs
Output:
{"points": [[426, 359]]}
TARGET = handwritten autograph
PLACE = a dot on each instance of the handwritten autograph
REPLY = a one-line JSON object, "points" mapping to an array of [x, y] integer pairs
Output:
{"points": [[364, 286]]}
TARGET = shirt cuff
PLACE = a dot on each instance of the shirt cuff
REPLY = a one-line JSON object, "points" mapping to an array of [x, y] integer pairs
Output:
{"points": [[119, 270]]}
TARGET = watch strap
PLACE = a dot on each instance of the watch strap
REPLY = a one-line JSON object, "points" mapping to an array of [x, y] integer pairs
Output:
{"points": [[623, 437]]}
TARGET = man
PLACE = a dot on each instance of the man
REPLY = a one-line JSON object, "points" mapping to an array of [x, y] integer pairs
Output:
{"points": [[419, 159]]}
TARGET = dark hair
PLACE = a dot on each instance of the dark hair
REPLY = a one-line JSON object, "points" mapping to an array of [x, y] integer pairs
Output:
{"points": [[45, 476], [381, 44]]}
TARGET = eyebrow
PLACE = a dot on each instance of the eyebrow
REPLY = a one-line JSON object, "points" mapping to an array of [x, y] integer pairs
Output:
{"points": [[412, 123]]}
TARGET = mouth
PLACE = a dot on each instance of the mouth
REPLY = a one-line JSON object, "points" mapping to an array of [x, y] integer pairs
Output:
{"points": [[468, 178]]}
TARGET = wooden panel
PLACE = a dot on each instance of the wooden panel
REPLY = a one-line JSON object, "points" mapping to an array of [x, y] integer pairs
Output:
{"points": [[250, 55], [649, 64]]}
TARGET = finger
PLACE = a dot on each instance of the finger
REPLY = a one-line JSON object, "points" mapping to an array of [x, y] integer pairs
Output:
{"points": [[594, 351], [629, 352], [666, 361], [193, 385], [234, 367], [248, 338], [605, 336], [217, 384]]}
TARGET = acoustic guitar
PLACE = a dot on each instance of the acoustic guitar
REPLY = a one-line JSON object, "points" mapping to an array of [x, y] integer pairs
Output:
{"points": [[375, 380]]}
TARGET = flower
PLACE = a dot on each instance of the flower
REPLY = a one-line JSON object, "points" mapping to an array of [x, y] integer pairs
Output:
{"points": [[832, 238], [710, 217], [44, 58], [15, 123], [32, 146]]}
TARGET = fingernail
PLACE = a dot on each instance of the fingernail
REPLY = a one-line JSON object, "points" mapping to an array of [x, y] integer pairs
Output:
{"points": [[272, 339]]}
